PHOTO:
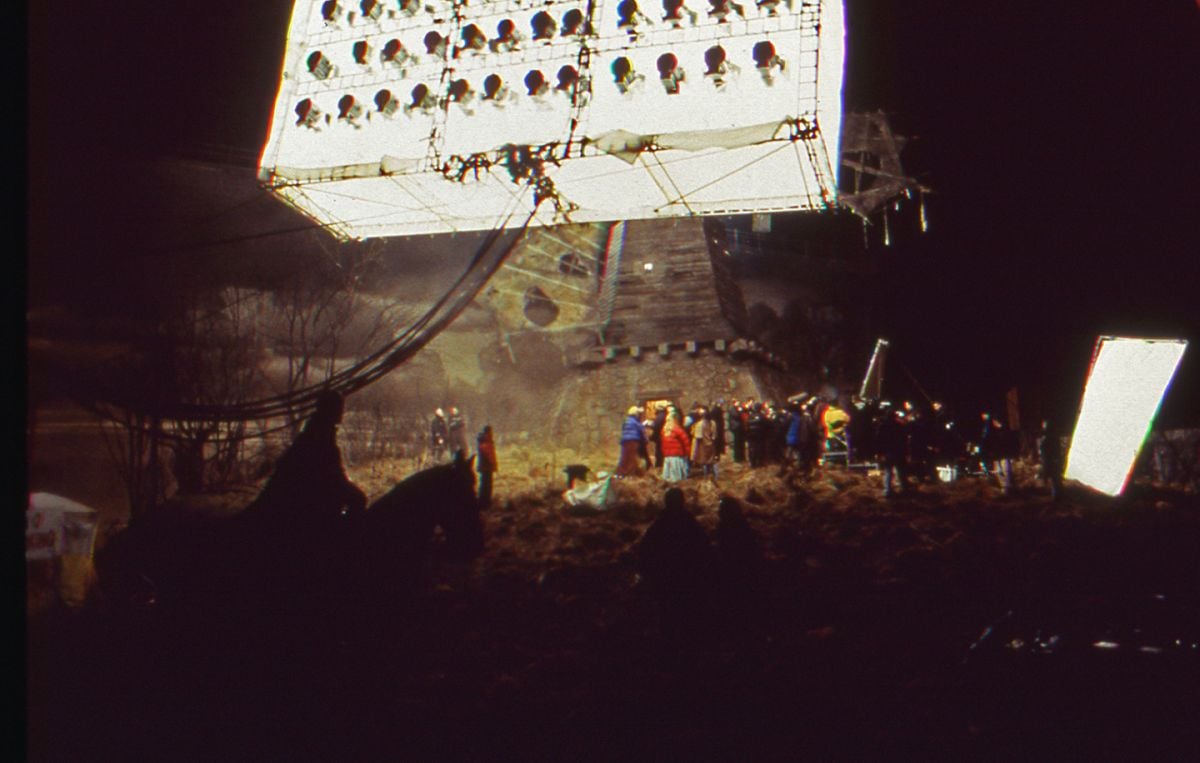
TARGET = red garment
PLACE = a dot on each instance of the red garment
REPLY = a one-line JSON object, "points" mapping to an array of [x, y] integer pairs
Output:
{"points": [[676, 443]]}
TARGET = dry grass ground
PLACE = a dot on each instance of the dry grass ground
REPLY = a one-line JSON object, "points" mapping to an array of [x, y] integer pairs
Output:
{"points": [[546, 647]]}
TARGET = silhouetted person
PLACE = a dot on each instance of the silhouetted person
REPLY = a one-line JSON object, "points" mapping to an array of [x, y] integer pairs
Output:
{"points": [[718, 413], [740, 566], [1050, 456], [309, 481], [859, 431], [289, 545], [486, 465], [777, 430], [987, 442], [921, 448], [1009, 451], [890, 451], [737, 433], [678, 565], [756, 436], [996, 450]]}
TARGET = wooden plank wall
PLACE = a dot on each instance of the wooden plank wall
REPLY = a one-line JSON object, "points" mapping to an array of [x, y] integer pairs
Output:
{"points": [[676, 301]]}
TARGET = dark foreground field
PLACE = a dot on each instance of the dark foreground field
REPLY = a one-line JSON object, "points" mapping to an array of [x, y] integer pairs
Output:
{"points": [[953, 623]]}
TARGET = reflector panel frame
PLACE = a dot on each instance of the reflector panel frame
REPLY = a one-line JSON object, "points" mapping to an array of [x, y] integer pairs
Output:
{"points": [[737, 138], [1125, 386]]}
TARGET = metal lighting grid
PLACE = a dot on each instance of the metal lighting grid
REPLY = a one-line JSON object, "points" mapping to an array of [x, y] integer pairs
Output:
{"points": [[737, 138], [1125, 385]]}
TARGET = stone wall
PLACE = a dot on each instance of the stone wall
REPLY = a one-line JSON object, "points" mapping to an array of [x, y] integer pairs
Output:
{"points": [[590, 406]]}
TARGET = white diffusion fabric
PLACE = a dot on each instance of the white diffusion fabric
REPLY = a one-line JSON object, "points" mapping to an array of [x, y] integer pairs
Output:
{"points": [[401, 118], [1125, 385]]}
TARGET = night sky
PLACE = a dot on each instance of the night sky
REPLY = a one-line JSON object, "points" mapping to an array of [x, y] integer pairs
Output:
{"points": [[1060, 138]]}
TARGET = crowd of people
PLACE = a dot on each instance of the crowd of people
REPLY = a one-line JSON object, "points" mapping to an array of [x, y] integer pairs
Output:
{"points": [[909, 444]]}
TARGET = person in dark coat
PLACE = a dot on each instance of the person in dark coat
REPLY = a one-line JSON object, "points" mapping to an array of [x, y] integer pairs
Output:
{"points": [[996, 450], [1050, 456], [717, 410], [940, 447], [486, 465], [309, 482], [677, 564], [891, 450], [756, 436], [737, 436], [740, 566], [921, 447], [858, 432], [777, 429], [810, 437], [987, 443]]}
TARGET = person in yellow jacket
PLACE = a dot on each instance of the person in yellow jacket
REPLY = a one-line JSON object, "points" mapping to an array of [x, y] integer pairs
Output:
{"points": [[835, 422]]}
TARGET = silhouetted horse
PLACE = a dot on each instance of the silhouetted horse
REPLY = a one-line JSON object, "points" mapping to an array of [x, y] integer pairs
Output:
{"points": [[389, 546], [368, 560]]}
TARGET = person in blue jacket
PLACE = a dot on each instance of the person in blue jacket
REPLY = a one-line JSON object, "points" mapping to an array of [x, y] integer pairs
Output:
{"points": [[633, 443], [797, 437]]}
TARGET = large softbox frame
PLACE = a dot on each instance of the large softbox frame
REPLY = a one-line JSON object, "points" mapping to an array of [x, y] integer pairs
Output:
{"points": [[1125, 385]]}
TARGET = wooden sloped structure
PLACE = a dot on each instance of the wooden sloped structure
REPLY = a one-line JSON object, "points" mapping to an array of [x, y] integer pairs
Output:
{"points": [[674, 284]]}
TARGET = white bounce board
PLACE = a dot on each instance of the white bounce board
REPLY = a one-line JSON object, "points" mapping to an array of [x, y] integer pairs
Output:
{"points": [[1125, 385]]}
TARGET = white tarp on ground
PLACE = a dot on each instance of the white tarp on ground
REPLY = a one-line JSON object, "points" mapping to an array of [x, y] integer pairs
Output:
{"points": [[1124, 388], [593, 495], [393, 123]]}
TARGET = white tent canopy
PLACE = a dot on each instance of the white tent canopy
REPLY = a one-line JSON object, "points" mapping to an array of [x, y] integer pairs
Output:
{"points": [[55, 525]]}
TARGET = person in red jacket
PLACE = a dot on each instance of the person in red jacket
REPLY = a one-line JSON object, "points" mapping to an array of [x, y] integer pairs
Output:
{"points": [[485, 464], [675, 448]]}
